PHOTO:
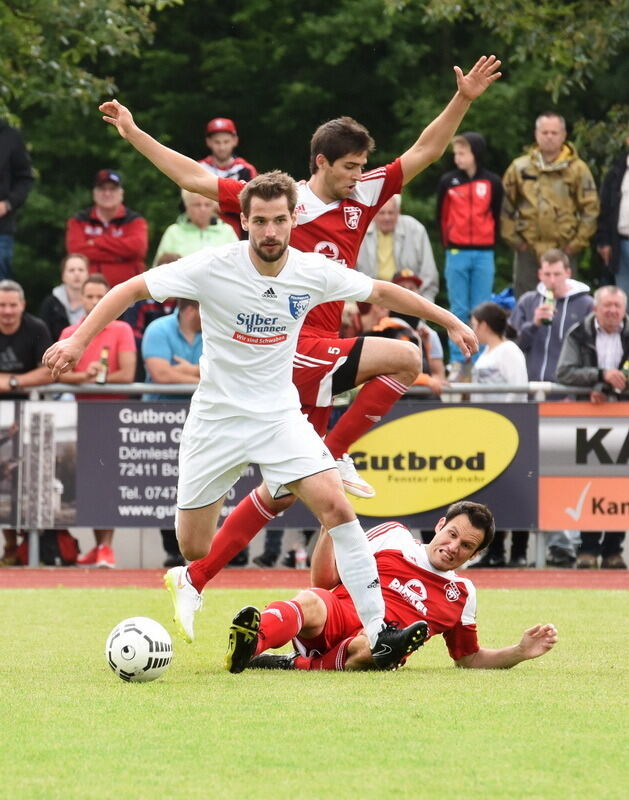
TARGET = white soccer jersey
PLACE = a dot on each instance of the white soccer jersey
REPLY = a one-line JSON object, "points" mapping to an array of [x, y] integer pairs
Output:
{"points": [[250, 322], [335, 230]]}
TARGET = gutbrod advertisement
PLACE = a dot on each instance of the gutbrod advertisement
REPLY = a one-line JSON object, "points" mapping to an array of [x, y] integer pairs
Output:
{"points": [[426, 456], [422, 458]]}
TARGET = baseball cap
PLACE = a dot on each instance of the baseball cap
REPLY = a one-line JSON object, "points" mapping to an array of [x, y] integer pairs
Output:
{"points": [[107, 176], [407, 275], [221, 125]]}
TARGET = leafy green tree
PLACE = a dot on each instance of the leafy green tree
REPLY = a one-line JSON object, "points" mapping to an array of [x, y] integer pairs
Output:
{"points": [[573, 40], [280, 68], [54, 56], [49, 49]]}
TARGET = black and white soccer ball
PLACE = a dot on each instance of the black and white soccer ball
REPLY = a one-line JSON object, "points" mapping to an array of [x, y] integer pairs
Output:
{"points": [[139, 649]]}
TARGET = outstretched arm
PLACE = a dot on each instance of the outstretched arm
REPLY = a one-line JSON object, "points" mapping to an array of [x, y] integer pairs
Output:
{"points": [[396, 298], [65, 354], [434, 139], [535, 642], [184, 171]]}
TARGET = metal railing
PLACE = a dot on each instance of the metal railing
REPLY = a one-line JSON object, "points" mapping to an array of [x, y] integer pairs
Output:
{"points": [[537, 391]]}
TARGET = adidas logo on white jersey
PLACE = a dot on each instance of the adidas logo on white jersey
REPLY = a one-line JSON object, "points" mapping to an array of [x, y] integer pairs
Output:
{"points": [[270, 293]]}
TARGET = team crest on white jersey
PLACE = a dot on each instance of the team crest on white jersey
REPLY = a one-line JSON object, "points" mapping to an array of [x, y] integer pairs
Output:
{"points": [[452, 592], [298, 304], [352, 216]]}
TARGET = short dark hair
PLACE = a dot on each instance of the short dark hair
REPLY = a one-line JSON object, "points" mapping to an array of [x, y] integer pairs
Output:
{"points": [[96, 277], [479, 516], [269, 186], [338, 137], [67, 257], [494, 315], [184, 302]]}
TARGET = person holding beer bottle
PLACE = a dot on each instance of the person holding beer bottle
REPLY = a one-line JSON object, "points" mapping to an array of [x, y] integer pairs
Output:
{"points": [[543, 316], [109, 358]]}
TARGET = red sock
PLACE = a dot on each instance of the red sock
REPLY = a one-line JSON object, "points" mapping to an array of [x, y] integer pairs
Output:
{"points": [[249, 516], [373, 401], [279, 623], [334, 659]]}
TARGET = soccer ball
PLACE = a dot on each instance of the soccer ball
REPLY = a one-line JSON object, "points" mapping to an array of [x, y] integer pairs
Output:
{"points": [[139, 649]]}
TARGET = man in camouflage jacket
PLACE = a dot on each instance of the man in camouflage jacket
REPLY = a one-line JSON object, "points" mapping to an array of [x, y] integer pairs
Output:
{"points": [[550, 201]]}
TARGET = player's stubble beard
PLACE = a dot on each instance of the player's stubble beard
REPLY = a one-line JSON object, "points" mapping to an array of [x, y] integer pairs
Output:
{"points": [[265, 255]]}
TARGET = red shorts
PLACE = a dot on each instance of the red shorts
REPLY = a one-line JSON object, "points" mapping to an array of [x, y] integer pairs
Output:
{"points": [[342, 622], [318, 364]]}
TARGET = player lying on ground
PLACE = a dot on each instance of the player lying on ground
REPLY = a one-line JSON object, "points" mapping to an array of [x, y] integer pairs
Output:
{"points": [[335, 208], [253, 296], [419, 583]]}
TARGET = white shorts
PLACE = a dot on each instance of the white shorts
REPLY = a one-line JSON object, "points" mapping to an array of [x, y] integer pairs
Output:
{"points": [[213, 454]]}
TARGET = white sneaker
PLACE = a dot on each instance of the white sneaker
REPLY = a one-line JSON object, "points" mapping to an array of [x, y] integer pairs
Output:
{"points": [[186, 600], [352, 482]]}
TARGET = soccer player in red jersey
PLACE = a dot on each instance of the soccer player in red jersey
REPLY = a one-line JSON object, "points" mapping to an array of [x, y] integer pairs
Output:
{"points": [[419, 582], [334, 210]]}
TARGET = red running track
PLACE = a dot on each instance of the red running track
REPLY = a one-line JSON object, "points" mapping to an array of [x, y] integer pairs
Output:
{"points": [[84, 578]]}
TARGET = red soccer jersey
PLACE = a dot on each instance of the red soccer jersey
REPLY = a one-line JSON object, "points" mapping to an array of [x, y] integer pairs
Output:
{"points": [[241, 171], [334, 229], [413, 589]]}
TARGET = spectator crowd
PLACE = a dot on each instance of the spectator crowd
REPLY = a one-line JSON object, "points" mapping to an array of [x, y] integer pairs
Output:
{"points": [[554, 327]]}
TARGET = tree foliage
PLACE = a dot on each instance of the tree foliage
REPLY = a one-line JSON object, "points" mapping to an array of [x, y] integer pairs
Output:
{"points": [[50, 49], [280, 68], [573, 40]]}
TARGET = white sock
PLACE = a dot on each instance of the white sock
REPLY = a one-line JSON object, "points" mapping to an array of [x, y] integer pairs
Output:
{"points": [[357, 568]]}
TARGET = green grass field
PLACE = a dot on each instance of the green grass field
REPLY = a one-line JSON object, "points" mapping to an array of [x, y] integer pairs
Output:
{"points": [[553, 727]]}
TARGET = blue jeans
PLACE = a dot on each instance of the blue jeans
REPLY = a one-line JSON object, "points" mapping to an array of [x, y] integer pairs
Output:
{"points": [[469, 281], [6, 254], [622, 276]]}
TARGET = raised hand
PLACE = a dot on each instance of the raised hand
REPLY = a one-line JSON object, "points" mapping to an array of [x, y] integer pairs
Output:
{"points": [[538, 640], [482, 75], [117, 115]]}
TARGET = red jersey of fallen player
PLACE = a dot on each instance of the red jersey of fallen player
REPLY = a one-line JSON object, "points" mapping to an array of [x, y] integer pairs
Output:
{"points": [[413, 589]]}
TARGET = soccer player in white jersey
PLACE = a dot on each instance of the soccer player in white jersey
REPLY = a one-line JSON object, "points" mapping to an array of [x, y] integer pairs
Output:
{"points": [[334, 208], [253, 297], [419, 583]]}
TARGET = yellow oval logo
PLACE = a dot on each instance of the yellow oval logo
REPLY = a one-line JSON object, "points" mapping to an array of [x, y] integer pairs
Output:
{"points": [[432, 458]]}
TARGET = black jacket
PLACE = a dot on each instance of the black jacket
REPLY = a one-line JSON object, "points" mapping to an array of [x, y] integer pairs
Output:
{"points": [[578, 361], [607, 232], [16, 174], [54, 314]]}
